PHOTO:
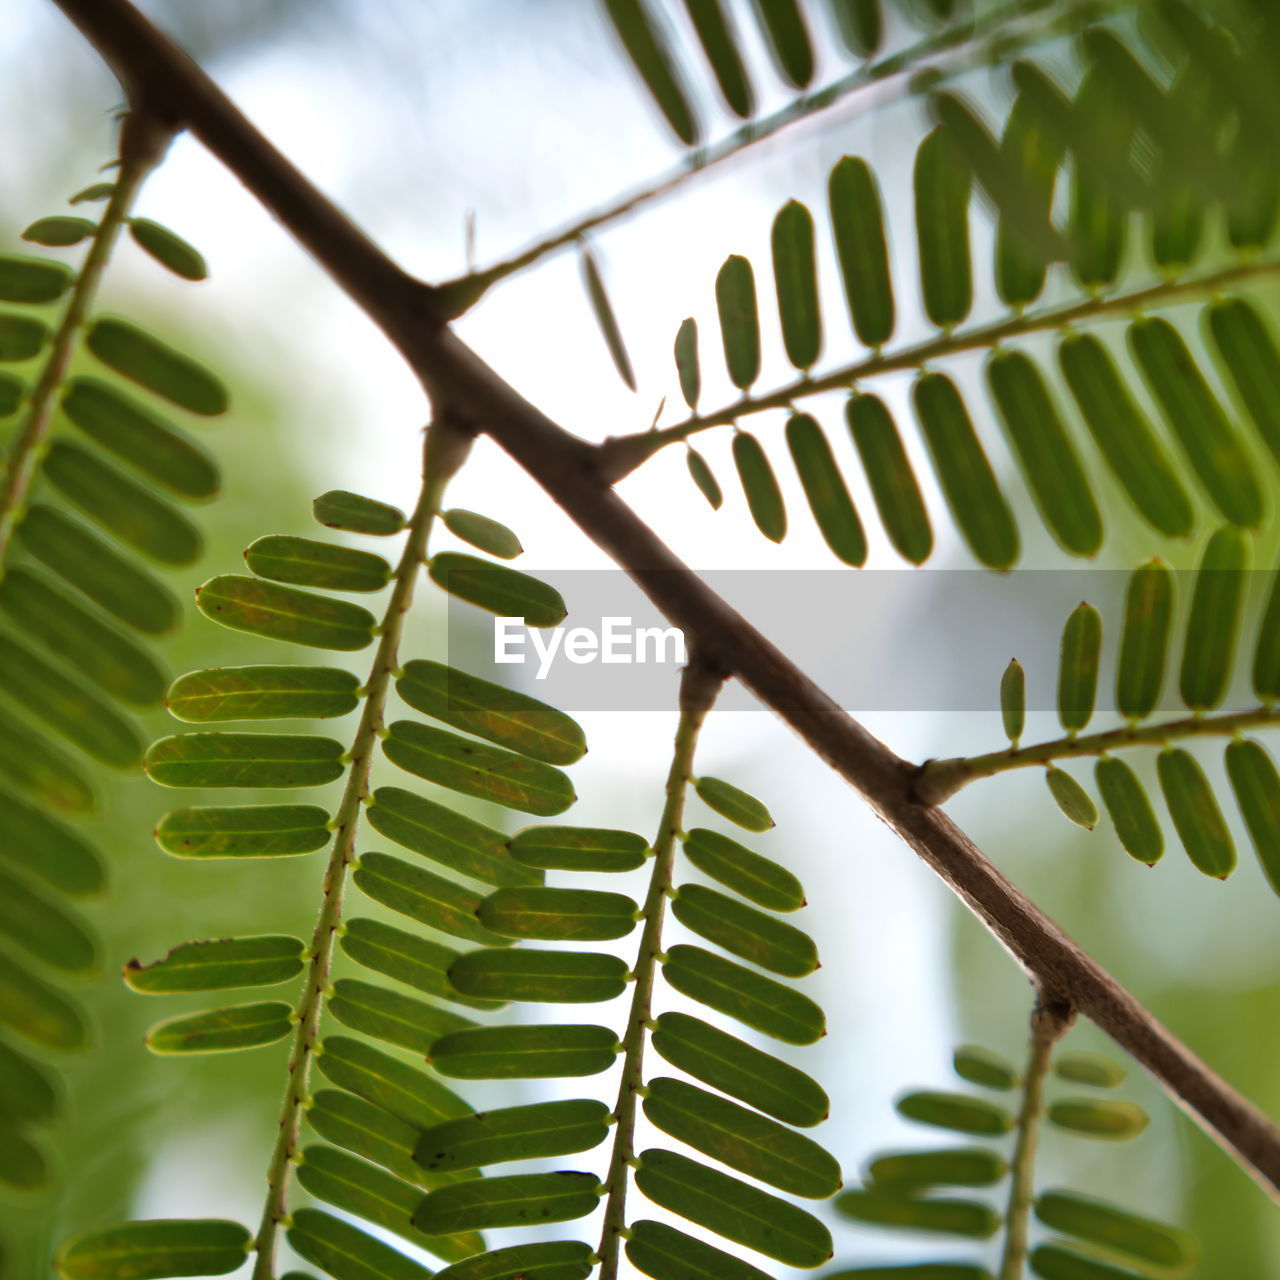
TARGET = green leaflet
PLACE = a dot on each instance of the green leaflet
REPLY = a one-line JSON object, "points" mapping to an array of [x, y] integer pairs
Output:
{"points": [[1018, 200], [37, 1012], [579, 849], [860, 24], [519, 1200], [263, 693], [341, 509], [1144, 642], [1102, 1224], [893, 483], [309, 563], [96, 191], [480, 531], [764, 498], [1125, 798], [55, 934], [1195, 813], [241, 1026], [149, 1250], [169, 249], [59, 231], [1032, 154], [1193, 413], [66, 862], [744, 931], [416, 961], [474, 769], [955, 1111], [449, 838], [244, 831], [39, 768], [739, 321], [1093, 1118], [734, 804], [704, 478], [1213, 623], [857, 223], [96, 650], [506, 592], [30, 1091], [358, 1126], [123, 426], [129, 511], [1088, 1068], [647, 44], [548, 1260], [491, 711], [556, 977], [136, 355], [1247, 351], [741, 1139], [957, 1217], [1051, 1262], [219, 964], [357, 1187], [514, 1133], [341, 1249], [717, 41], [13, 391], [824, 487], [244, 760], [982, 1067], [285, 613], [389, 1016], [943, 185], [1013, 701], [1257, 789], [784, 32], [1071, 798], [1266, 656], [424, 896], [406, 1092], [953, 1167], [759, 1002], [70, 708], [760, 879], [664, 1253], [733, 1209], [22, 1166], [565, 915], [1078, 667], [32, 280], [544, 1051], [21, 337], [688, 368], [979, 508], [795, 276], [1045, 453], [605, 318]]}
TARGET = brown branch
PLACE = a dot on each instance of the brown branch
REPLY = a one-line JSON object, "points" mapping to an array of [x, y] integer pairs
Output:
{"points": [[464, 386]]}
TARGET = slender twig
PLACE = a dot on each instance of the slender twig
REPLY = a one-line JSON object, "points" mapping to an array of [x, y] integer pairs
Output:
{"points": [[698, 688], [1050, 1021], [970, 41], [143, 142], [620, 455], [567, 468], [345, 824], [939, 780]]}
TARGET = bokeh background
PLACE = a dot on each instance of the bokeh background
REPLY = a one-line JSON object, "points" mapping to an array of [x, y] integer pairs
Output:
{"points": [[417, 115]]}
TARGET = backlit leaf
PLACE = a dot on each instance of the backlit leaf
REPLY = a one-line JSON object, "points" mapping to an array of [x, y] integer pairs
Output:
{"points": [[244, 831], [390, 1016], [566, 915], [38, 1013], [824, 487], [66, 862], [1093, 1069], [263, 693], [56, 934], [156, 1248], [943, 185], [764, 498], [559, 977], [1266, 656], [688, 367], [884, 1208], [341, 1249], [1071, 798], [244, 760], [42, 770], [1013, 701], [219, 964], [760, 879], [32, 280], [1100, 1223], [480, 531], [731, 802], [702, 475], [744, 931], [341, 509], [169, 249], [243, 1026], [424, 896], [94, 192], [59, 231], [1144, 642], [316, 564], [1213, 623], [514, 1133], [579, 849], [857, 222], [1247, 350], [602, 309], [664, 1253], [739, 320], [22, 1165], [1125, 798], [150, 363], [21, 337], [860, 24], [1078, 667], [390, 1083], [982, 1067], [795, 277], [956, 1111], [954, 1167], [1195, 813], [1098, 1118], [525, 1199], [1257, 790], [893, 483], [30, 1090], [718, 43], [416, 961], [1052, 1262], [533, 1052], [782, 25], [285, 613], [647, 44], [506, 592]]}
